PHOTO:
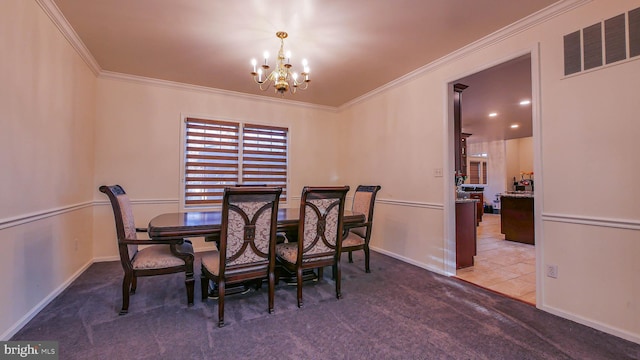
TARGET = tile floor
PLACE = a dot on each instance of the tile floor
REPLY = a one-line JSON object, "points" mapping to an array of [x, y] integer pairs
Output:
{"points": [[503, 266]]}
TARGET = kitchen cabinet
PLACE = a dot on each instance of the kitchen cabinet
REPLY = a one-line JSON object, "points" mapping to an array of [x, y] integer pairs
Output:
{"points": [[479, 205], [463, 154], [466, 241], [516, 218]]}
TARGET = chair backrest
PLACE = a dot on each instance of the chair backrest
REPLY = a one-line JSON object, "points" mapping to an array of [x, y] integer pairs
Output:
{"points": [[321, 217], [123, 215], [364, 199], [248, 232]]}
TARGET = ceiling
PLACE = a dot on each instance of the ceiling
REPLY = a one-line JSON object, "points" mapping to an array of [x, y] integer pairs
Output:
{"points": [[353, 46], [499, 90]]}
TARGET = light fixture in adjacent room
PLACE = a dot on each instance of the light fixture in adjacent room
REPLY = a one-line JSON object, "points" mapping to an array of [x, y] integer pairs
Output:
{"points": [[493, 114], [525, 102], [282, 77], [515, 126]]}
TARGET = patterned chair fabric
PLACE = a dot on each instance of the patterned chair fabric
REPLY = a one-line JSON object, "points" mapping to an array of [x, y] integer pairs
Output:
{"points": [[362, 204], [319, 231], [247, 242], [358, 238], [157, 258], [127, 222]]}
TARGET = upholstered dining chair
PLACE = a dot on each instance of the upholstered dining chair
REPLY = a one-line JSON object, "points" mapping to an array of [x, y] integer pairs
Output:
{"points": [[246, 250], [158, 258], [358, 238], [319, 232]]}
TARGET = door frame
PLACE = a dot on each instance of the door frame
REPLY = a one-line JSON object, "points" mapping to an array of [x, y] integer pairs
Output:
{"points": [[448, 161]]}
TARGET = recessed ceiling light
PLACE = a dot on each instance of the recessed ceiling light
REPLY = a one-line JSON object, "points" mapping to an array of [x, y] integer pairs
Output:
{"points": [[515, 126], [525, 102], [493, 114]]}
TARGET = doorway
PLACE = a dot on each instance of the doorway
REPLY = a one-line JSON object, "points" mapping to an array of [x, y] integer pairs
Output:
{"points": [[497, 118]]}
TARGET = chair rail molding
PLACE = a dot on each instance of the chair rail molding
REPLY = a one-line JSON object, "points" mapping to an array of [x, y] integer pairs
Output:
{"points": [[413, 204], [39, 215], [627, 224]]}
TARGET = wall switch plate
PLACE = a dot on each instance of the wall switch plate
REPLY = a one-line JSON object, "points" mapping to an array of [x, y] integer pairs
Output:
{"points": [[437, 172], [552, 271]]}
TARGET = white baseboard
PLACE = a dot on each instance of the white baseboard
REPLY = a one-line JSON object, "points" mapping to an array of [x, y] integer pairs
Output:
{"points": [[409, 261], [41, 305], [563, 314], [591, 323], [106, 259], [44, 302]]}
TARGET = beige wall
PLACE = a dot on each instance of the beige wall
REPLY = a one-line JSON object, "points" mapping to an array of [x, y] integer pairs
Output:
{"points": [[497, 164], [519, 155], [139, 144], [47, 97], [397, 138], [588, 225]]}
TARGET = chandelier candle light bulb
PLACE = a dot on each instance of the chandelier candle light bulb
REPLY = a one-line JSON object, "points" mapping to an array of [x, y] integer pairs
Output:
{"points": [[282, 78]]}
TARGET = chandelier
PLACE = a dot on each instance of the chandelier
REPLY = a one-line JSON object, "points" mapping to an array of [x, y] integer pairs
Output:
{"points": [[282, 77]]}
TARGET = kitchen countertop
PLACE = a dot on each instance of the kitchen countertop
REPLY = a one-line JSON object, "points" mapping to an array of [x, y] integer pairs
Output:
{"points": [[461, 201], [518, 194]]}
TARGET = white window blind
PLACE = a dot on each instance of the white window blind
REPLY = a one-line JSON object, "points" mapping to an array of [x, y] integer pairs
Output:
{"points": [[211, 160], [264, 156], [219, 154], [477, 172]]}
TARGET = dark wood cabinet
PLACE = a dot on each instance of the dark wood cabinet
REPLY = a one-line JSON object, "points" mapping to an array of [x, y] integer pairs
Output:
{"points": [[479, 205], [516, 219], [465, 233], [459, 140], [463, 153]]}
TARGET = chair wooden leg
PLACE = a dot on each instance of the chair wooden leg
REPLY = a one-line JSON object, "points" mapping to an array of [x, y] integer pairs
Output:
{"points": [[272, 285], [134, 283], [366, 259], [126, 286], [350, 256], [190, 282], [221, 289], [338, 276], [320, 273], [299, 285], [204, 285]]}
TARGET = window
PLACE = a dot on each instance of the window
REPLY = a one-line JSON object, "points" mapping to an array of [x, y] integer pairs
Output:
{"points": [[219, 154], [477, 172]]}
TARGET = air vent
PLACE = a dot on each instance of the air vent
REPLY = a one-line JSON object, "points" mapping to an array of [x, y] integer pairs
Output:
{"points": [[634, 32], [615, 40], [583, 49], [572, 51], [592, 38]]}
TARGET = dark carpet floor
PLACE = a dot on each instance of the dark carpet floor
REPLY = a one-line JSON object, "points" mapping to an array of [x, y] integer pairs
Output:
{"points": [[398, 311]]}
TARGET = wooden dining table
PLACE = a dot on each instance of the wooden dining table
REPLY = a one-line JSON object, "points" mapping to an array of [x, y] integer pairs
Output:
{"points": [[207, 224]]}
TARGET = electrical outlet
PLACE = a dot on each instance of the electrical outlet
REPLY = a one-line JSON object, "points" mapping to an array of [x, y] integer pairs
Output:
{"points": [[552, 271], [437, 172]]}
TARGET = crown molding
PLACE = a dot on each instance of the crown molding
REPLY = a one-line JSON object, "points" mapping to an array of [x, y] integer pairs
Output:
{"points": [[58, 19], [104, 74], [54, 13], [513, 29]]}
